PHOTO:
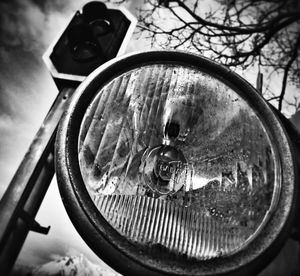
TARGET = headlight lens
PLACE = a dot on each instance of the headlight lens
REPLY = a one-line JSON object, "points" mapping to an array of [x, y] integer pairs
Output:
{"points": [[169, 163], [175, 158]]}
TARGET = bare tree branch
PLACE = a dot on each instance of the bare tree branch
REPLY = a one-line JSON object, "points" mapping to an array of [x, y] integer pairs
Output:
{"points": [[236, 33], [247, 29], [286, 71]]}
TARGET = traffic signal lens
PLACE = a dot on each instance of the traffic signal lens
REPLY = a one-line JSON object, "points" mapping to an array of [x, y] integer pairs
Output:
{"points": [[82, 44]]}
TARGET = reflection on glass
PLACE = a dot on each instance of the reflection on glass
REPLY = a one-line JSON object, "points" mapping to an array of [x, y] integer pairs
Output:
{"points": [[175, 158]]}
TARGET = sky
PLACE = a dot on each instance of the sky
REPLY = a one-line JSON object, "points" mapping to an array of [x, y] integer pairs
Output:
{"points": [[27, 27]]}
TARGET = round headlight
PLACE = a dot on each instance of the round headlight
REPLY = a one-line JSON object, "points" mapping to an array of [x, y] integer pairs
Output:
{"points": [[171, 163]]}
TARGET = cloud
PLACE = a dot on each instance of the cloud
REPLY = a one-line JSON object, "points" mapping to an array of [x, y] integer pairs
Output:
{"points": [[31, 25]]}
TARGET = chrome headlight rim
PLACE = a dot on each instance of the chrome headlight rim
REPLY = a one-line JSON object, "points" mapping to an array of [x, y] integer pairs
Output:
{"points": [[115, 249]]}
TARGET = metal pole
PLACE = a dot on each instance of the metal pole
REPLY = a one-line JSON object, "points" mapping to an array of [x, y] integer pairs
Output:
{"points": [[24, 195]]}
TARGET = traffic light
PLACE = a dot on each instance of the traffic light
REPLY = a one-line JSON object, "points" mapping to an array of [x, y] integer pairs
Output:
{"points": [[94, 35]]}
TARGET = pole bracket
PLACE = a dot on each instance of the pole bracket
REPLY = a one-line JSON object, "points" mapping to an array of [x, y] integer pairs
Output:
{"points": [[33, 224]]}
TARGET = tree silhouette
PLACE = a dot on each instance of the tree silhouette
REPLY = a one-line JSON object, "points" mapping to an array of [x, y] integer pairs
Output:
{"points": [[236, 33]]}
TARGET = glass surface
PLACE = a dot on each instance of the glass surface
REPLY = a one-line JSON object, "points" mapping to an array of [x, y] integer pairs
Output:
{"points": [[174, 158]]}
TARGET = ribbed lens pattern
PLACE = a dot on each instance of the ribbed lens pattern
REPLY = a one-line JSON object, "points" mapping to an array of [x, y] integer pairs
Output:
{"points": [[175, 158], [150, 221]]}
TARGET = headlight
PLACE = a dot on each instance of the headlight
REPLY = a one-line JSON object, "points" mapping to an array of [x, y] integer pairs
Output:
{"points": [[170, 163]]}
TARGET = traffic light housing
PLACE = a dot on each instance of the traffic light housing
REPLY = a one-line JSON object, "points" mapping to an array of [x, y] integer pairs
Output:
{"points": [[94, 35]]}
